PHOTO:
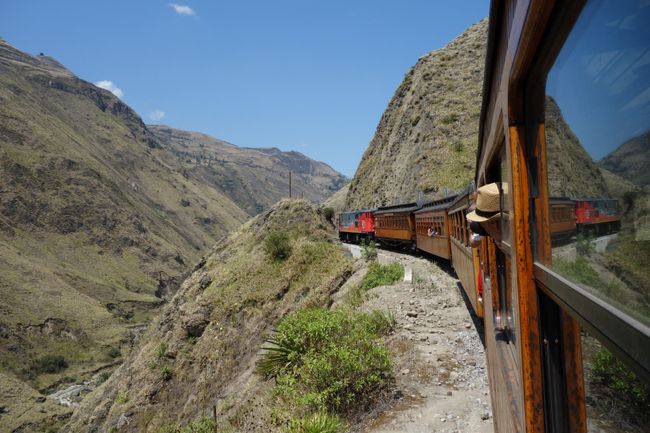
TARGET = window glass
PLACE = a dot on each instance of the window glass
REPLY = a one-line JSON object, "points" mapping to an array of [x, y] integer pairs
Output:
{"points": [[616, 400], [597, 123]]}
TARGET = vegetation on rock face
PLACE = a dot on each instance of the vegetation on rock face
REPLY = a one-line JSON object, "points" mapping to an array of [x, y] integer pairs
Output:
{"points": [[248, 295], [328, 360], [48, 364], [277, 245], [426, 139], [328, 212], [368, 250], [319, 422], [382, 275], [614, 374]]}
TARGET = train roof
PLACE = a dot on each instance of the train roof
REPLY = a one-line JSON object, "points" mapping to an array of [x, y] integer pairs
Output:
{"points": [[463, 194], [405, 207], [357, 211], [442, 203]]}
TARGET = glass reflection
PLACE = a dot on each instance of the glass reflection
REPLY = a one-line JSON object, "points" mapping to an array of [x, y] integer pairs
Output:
{"points": [[597, 119]]}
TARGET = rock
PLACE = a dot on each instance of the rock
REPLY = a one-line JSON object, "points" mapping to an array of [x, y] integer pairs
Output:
{"points": [[405, 371], [40, 399], [485, 415], [206, 280], [412, 314], [196, 322], [449, 393]]}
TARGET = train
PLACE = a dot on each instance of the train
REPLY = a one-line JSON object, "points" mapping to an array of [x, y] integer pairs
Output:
{"points": [[440, 228]]}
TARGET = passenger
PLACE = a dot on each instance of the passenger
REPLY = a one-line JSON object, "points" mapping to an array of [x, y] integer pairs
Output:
{"points": [[485, 219]]}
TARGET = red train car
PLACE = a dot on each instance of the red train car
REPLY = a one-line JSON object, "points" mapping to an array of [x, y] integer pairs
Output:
{"points": [[356, 225], [597, 216]]}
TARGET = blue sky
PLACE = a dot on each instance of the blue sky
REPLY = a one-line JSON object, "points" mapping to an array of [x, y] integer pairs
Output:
{"points": [[311, 76]]}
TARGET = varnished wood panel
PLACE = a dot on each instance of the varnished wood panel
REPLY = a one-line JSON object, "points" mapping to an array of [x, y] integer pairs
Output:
{"points": [[436, 245], [463, 262]]}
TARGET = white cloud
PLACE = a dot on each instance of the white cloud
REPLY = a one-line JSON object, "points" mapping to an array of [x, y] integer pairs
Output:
{"points": [[111, 87], [182, 9], [156, 114]]}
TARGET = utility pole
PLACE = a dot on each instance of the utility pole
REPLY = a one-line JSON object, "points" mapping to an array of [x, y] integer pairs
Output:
{"points": [[289, 184]]}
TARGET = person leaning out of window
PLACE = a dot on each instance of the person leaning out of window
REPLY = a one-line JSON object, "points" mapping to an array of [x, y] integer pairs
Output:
{"points": [[485, 218]]}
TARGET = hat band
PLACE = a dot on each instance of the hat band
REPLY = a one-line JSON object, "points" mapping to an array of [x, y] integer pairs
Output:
{"points": [[485, 214]]}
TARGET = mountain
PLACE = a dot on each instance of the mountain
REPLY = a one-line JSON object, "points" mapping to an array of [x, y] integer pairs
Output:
{"points": [[337, 200], [102, 216], [202, 350], [631, 160], [426, 139], [571, 171], [255, 178]]}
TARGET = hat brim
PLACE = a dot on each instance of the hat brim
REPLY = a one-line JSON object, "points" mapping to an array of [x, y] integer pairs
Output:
{"points": [[473, 216]]}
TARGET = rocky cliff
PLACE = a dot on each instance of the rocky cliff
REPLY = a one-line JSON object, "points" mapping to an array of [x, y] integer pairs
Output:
{"points": [[426, 139]]}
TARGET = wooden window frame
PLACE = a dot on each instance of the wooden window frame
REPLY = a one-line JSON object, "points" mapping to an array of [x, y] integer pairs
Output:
{"points": [[625, 336]]}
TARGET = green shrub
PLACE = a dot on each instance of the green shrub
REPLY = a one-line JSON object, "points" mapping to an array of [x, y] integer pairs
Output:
{"points": [[327, 360], [355, 296], [122, 397], [579, 271], [319, 422], [615, 375], [114, 352], [103, 377], [202, 425], [368, 250], [166, 372], [161, 350], [328, 213], [450, 118], [48, 364], [584, 245], [277, 246], [382, 275]]}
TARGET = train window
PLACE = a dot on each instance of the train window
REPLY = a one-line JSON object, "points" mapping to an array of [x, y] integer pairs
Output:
{"points": [[597, 123]]}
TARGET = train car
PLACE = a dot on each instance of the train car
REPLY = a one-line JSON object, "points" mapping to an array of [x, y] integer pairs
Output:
{"points": [[597, 216], [395, 225], [562, 212], [356, 225], [464, 257], [553, 67], [432, 228]]}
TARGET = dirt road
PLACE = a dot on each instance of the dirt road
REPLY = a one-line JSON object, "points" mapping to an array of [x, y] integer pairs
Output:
{"points": [[440, 362]]}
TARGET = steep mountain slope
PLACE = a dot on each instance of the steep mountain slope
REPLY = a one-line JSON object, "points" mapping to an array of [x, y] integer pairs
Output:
{"points": [[337, 200], [571, 171], [631, 160], [202, 349], [92, 224], [253, 178], [426, 139], [100, 218]]}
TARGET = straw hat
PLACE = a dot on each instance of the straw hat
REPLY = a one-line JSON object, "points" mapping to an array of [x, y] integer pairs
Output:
{"points": [[488, 203]]}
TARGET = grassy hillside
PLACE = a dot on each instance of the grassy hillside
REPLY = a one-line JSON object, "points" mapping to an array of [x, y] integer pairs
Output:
{"points": [[254, 178], [100, 220], [337, 200], [631, 160], [202, 349], [426, 139]]}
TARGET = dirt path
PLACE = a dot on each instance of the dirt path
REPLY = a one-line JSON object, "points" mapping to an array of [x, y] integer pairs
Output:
{"points": [[440, 362]]}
